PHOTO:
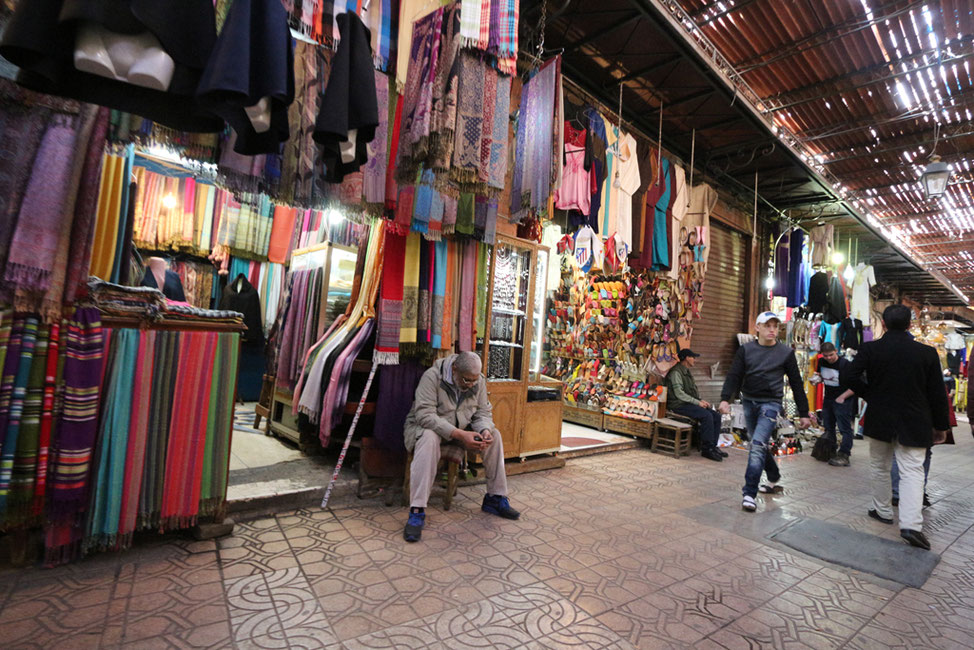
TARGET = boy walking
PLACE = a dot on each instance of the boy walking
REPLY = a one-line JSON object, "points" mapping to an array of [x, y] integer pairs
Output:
{"points": [[758, 375]]}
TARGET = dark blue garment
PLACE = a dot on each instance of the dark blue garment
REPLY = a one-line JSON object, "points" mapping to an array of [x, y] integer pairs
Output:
{"points": [[253, 59], [596, 143], [172, 287], [795, 283], [781, 266]]}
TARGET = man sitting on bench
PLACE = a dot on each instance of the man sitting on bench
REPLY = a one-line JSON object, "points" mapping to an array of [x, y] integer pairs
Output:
{"points": [[683, 398], [451, 408]]}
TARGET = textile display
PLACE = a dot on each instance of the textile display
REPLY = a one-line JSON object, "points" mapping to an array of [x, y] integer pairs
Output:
{"points": [[14, 388], [391, 300], [491, 26], [534, 155], [410, 295], [468, 296]]}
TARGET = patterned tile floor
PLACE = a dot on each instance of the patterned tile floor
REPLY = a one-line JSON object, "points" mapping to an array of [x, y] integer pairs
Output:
{"points": [[605, 556]]}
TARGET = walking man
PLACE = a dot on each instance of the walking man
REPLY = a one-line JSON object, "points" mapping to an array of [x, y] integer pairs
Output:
{"points": [[907, 413], [758, 375], [683, 397], [838, 407]]}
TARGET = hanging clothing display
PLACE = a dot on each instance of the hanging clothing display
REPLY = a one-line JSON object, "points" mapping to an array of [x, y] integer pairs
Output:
{"points": [[703, 199], [241, 296], [850, 333], [821, 238], [533, 158], [818, 292], [864, 280], [575, 191], [835, 306], [172, 287], [625, 182]]}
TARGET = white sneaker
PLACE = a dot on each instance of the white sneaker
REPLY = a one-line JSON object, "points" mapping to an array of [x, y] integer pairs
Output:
{"points": [[748, 504]]}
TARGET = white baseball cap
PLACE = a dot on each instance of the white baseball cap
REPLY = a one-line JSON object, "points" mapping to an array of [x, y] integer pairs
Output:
{"points": [[764, 317]]}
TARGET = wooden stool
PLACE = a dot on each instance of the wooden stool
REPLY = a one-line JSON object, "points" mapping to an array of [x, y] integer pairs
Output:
{"points": [[672, 437], [694, 428], [263, 408], [452, 476]]}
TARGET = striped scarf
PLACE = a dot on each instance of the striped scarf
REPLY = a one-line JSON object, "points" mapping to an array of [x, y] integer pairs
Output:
{"points": [[13, 394]]}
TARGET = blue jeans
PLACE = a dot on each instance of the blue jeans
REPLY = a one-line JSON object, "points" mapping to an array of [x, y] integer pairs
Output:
{"points": [[834, 413], [894, 474], [709, 423], [761, 420]]}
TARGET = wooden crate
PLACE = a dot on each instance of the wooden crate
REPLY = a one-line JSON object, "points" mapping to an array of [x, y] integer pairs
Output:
{"points": [[672, 437], [638, 428], [581, 415]]}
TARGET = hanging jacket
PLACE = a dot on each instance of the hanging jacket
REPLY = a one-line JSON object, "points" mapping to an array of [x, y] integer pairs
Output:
{"points": [[245, 300], [172, 286]]}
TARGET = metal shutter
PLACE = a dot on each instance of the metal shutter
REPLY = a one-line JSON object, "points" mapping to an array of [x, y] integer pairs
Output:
{"points": [[723, 315]]}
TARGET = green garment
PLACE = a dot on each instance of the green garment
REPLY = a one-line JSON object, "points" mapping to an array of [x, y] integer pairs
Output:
{"points": [[681, 387]]}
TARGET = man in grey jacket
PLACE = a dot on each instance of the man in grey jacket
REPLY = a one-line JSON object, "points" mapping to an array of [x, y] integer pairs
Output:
{"points": [[451, 414]]}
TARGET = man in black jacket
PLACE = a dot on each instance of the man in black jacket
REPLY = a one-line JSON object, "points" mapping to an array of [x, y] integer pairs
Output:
{"points": [[758, 372], [907, 412]]}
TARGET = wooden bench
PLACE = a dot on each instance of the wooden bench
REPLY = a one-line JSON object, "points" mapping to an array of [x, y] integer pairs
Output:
{"points": [[672, 437], [452, 477]]}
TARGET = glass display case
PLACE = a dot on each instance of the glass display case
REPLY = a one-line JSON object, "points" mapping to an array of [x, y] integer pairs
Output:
{"points": [[508, 312]]}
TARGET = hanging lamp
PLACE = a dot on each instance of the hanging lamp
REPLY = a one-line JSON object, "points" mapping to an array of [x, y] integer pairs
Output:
{"points": [[935, 177]]}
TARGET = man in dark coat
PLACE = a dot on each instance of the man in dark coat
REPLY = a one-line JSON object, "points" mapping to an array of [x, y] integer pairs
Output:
{"points": [[907, 412]]}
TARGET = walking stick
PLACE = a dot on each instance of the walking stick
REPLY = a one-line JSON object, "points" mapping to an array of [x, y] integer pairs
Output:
{"points": [[348, 438]]}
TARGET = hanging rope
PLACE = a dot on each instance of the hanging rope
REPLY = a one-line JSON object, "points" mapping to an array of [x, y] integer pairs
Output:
{"points": [[693, 151], [348, 438]]}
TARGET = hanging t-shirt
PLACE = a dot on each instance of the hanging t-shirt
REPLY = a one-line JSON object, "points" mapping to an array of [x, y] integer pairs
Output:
{"points": [[616, 254], [679, 208], [661, 245], [550, 237], [865, 280], [589, 252], [625, 181], [575, 191], [612, 135], [703, 199]]}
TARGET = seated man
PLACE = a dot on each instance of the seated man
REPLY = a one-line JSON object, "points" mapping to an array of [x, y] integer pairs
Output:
{"points": [[682, 397], [451, 408]]}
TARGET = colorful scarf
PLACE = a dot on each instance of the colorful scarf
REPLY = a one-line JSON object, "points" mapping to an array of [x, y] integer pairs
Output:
{"points": [[435, 231], [390, 301], [410, 295], [282, 232], [481, 308], [374, 186], [213, 491], [497, 165], [445, 93], [337, 392], [502, 42], [487, 124], [111, 450], [418, 103], [473, 14], [470, 119], [164, 369], [423, 206], [449, 299], [392, 188], [424, 317], [51, 379], [404, 207], [468, 295], [465, 214], [535, 160], [439, 295], [24, 468], [138, 429], [106, 223], [380, 24], [449, 214], [13, 394], [490, 227], [34, 246]]}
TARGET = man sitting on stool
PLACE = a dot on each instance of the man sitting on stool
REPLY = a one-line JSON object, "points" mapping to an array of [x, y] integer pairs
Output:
{"points": [[683, 398], [451, 408]]}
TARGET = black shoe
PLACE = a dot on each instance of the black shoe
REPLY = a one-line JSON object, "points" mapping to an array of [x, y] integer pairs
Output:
{"points": [[926, 501], [722, 453], [712, 454], [500, 506], [896, 501], [414, 526], [840, 460], [915, 538], [875, 515]]}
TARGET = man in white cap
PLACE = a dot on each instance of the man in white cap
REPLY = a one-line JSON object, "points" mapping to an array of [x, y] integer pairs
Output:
{"points": [[758, 375]]}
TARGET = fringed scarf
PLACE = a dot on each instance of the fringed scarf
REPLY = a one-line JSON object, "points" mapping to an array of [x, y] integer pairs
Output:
{"points": [[490, 227], [424, 319], [13, 394], [35, 246], [78, 419], [410, 296], [470, 118], [473, 14], [418, 103], [374, 186], [138, 430], [213, 492], [481, 308], [51, 380], [404, 207], [445, 93], [423, 206], [497, 165], [435, 231], [450, 296], [468, 294], [439, 294], [390, 300], [465, 214], [337, 393], [449, 214], [165, 364], [487, 124], [25, 458], [380, 25], [502, 42], [111, 450], [534, 159], [392, 188]]}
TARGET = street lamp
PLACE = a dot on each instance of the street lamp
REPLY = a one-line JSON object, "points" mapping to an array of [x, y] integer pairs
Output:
{"points": [[935, 177]]}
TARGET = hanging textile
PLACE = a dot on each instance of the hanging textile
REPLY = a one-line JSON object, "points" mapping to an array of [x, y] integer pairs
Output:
{"points": [[13, 393], [534, 159], [439, 295], [468, 295], [391, 300], [410, 295]]}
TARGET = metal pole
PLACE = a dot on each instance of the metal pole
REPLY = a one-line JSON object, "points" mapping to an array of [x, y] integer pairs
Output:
{"points": [[348, 438]]}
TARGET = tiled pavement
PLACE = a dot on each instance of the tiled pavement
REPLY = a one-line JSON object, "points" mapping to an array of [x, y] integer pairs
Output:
{"points": [[603, 557]]}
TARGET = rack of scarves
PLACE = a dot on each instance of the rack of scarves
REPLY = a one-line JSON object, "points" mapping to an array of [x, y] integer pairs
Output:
{"points": [[109, 427], [319, 226]]}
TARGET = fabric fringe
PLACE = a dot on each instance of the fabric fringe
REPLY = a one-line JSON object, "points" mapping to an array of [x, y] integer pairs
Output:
{"points": [[449, 228], [58, 555], [27, 276], [385, 358], [433, 235]]}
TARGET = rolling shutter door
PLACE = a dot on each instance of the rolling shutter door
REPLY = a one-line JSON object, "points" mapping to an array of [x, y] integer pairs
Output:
{"points": [[722, 318]]}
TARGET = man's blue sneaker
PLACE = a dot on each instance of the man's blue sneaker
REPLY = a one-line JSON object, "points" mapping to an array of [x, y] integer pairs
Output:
{"points": [[500, 506], [414, 526]]}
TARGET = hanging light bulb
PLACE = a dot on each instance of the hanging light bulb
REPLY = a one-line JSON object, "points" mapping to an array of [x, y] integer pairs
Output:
{"points": [[334, 217], [838, 257], [935, 177], [769, 283], [169, 201], [848, 274]]}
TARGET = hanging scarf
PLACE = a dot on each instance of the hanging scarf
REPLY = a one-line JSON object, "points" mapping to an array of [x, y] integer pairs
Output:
{"points": [[487, 124], [374, 186], [424, 202], [439, 295], [78, 418], [418, 103], [503, 34], [380, 25], [473, 13], [404, 207], [449, 214], [468, 295], [449, 296], [480, 218], [435, 230], [392, 188], [13, 393], [445, 93], [35, 244], [138, 429], [497, 166], [51, 378], [24, 460], [213, 492], [481, 313], [410, 295], [427, 261], [337, 393], [465, 214], [164, 370], [111, 451], [490, 227], [470, 119], [390, 301], [535, 162]]}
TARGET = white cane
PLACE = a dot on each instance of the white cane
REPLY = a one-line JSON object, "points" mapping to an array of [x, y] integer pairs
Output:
{"points": [[348, 438]]}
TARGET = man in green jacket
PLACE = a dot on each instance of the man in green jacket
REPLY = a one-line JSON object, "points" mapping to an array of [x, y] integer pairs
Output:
{"points": [[683, 397]]}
